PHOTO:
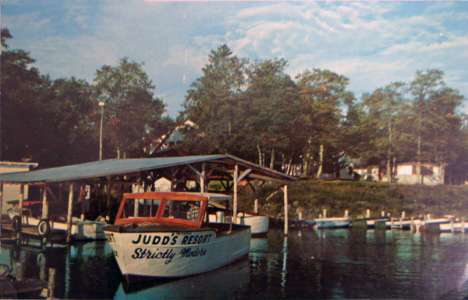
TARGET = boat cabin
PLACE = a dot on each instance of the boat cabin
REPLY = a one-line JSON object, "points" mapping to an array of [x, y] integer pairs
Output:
{"points": [[162, 208]]}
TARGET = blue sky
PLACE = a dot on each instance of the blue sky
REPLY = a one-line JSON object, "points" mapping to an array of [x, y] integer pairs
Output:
{"points": [[372, 43]]}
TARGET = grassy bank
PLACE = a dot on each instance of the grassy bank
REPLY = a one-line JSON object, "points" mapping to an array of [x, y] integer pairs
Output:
{"points": [[311, 196]]}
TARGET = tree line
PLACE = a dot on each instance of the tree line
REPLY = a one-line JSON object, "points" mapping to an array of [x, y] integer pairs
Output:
{"points": [[248, 108]]}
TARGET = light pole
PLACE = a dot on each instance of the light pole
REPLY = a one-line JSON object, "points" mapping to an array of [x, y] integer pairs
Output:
{"points": [[101, 104]]}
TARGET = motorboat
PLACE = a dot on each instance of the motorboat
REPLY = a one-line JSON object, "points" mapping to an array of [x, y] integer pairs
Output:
{"points": [[81, 229], [454, 225], [430, 224], [218, 214], [369, 222], [168, 234], [329, 223]]}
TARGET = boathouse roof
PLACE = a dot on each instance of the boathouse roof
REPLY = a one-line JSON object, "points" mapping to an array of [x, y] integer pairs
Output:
{"points": [[131, 170]]}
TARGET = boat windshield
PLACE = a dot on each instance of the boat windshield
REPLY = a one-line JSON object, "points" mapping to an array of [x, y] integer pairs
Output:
{"points": [[139, 208], [167, 208], [182, 209]]}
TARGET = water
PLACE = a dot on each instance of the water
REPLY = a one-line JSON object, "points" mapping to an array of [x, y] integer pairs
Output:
{"points": [[324, 264]]}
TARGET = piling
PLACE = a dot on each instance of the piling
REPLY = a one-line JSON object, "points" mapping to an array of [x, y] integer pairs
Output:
{"points": [[51, 283], [368, 214]]}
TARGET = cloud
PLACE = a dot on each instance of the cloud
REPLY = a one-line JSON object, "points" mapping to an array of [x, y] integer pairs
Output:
{"points": [[371, 43]]}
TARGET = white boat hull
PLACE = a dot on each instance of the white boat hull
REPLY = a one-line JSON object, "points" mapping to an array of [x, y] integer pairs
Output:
{"points": [[80, 230], [258, 224], [176, 254], [455, 227], [431, 224], [339, 222]]}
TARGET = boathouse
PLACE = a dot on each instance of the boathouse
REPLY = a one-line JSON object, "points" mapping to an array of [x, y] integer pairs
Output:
{"points": [[226, 169]]}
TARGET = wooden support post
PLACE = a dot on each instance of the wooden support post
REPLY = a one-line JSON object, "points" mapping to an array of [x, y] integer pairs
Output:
{"points": [[324, 213], [202, 179], [236, 175], [285, 190], [45, 203], [82, 198], [20, 265], [256, 206], [368, 214], [109, 188], [21, 198], [1, 206], [346, 213], [69, 215], [51, 283]]}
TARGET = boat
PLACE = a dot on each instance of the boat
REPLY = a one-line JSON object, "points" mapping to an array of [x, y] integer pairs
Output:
{"points": [[430, 224], [402, 223], [258, 223], [168, 235], [80, 229], [329, 223], [369, 222], [217, 214], [455, 226]]}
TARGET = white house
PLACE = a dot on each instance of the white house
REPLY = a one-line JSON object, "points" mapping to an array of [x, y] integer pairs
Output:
{"points": [[11, 192], [432, 174]]}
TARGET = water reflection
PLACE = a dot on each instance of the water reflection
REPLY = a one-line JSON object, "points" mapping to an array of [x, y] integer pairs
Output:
{"points": [[222, 283], [322, 264]]}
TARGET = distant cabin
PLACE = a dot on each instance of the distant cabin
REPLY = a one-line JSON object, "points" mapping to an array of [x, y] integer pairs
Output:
{"points": [[407, 173], [10, 191]]}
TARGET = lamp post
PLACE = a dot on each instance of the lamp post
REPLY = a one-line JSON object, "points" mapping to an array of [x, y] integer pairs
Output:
{"points": [[101, 104]]}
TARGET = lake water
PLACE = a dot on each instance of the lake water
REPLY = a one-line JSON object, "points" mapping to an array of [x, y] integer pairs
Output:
{"points": [[307, 264]]}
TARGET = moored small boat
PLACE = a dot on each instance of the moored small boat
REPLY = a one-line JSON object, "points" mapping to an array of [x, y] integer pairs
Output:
{"points": [[455, 226], [369, 222], [337, 222], [258, 223], [403, 223], [217, 214], [429, 224], [167, 234], [80, 229]]}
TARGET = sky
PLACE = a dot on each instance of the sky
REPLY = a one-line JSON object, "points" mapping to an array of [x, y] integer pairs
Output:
{"points": [[371, 43]]}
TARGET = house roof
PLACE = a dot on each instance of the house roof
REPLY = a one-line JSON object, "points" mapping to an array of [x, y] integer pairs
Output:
{"points": [[118, 167]]}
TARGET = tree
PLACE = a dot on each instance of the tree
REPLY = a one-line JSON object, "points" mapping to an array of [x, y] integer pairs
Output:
{"points": [[132, 113], [271, 111], [323, 95], [67, 107], [437, 125], [212, 102], [385, 107], [18, 112]]}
